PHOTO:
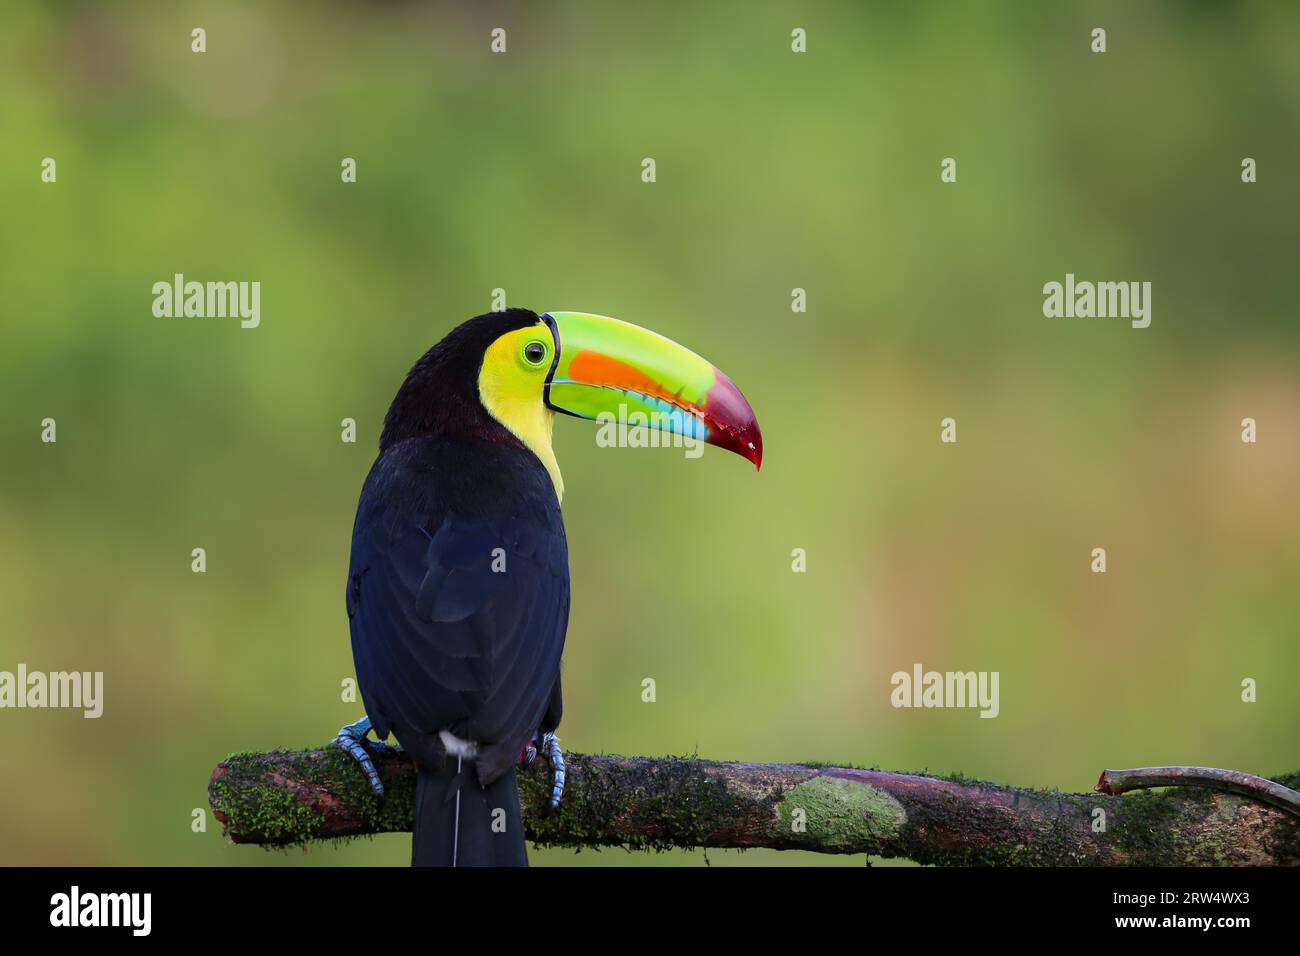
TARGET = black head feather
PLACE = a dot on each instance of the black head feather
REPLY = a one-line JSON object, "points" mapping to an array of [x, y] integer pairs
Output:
{"points": [[440, 393]]}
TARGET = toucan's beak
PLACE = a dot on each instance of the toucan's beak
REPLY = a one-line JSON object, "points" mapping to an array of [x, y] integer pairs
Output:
{"points": [[609, 370]]}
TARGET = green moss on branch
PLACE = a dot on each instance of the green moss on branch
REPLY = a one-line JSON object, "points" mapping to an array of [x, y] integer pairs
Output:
{"points": [[282, 798]]}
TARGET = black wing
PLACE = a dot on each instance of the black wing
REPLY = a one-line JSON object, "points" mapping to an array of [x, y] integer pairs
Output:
{"points": [[458, 595]]}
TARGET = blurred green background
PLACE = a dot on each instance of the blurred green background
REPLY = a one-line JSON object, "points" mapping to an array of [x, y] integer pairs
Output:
{"points": [[775, 171]]}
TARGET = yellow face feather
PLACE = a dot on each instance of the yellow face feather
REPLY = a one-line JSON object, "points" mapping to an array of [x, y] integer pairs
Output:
{"points": [[510, 385]]}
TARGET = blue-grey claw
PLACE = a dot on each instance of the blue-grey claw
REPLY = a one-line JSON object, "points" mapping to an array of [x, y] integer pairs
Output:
{"points": [[352, 738], [550, 748]]}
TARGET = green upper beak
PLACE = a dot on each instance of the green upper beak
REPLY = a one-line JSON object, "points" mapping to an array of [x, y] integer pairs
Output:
{"points": [[608, 370]]}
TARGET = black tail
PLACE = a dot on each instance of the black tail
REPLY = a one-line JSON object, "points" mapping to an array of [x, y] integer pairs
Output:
{"points": [[483, 828]]}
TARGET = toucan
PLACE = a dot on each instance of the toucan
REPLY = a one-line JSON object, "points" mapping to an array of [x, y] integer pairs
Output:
{"points": [[458, 585]]}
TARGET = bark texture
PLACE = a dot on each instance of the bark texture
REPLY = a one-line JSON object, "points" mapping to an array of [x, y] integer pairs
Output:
{"points": [[284, 798]]}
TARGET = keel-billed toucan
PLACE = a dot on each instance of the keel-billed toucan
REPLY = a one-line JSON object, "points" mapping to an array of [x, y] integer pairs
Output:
{"points": [[458, 588]]}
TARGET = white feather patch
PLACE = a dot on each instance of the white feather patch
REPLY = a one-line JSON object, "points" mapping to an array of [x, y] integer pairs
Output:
{"points": [[457, 747]]}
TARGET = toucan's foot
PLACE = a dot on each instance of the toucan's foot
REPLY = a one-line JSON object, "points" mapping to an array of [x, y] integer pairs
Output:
{"points": [[352, 738], [555, 757], [549, 747]]}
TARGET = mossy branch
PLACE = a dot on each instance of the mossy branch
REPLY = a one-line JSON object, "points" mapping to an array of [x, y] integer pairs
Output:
{"points": [[284, 798]]}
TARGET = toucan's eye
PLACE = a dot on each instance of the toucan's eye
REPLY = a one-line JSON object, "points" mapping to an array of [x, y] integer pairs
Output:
{"points": [[534, 352]]}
